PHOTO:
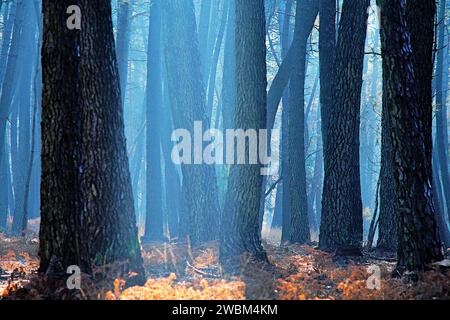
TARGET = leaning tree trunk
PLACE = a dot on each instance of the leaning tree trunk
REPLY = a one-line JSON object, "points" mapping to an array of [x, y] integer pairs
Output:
{"points": [[418, 238], [240, 224], [341, 224]]}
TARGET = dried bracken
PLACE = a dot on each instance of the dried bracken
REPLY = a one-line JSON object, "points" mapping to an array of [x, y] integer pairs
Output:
{"points": [[176, 271]]}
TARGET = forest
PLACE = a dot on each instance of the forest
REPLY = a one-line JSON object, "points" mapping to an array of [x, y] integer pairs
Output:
{"points": [[224, 150]]}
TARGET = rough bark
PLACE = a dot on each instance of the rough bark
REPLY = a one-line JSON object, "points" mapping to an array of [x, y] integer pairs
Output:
{"points": [[61, 234], [418, 238], [341, 223], [240, 225], [87, 203]]}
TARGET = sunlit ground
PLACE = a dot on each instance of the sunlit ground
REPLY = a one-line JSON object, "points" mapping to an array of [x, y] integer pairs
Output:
{"points": [[176, 271]]}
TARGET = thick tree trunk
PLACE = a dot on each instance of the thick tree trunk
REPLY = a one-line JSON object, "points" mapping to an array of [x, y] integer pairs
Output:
{"points": [[61, 233], [106, 182], [341, 225], [418, 238], [87, 203], [240, 225]]}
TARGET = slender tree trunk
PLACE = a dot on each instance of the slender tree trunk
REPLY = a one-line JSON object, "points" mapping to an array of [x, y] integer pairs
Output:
{"points": [[9, 82], [229, 71], [215, 58], [387, 234], [203, 30], [24, 113], [327, 47], [199, 219], [294, 174], [123, 42], [283, 75], [441, 115], [154, 216]]}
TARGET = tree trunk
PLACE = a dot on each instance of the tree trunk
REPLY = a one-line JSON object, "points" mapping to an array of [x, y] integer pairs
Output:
{"points": [[9, 81], [418, 238], [327, 48], [154, 216], [240, 225], [61, 234], [341, 225], [294, 174], [387, 234], [198, 219], [24, 112], [123, 43], [87, 204], [441, 114]]}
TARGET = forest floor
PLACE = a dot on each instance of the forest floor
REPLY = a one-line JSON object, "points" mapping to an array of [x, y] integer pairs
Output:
{"points": [[175, 271]]}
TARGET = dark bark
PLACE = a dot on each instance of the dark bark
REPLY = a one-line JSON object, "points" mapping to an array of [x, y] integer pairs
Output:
{"points": [[341, 223], [418, 238], [87, 202], [61, 234], [240, 225], [106, 182]]}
